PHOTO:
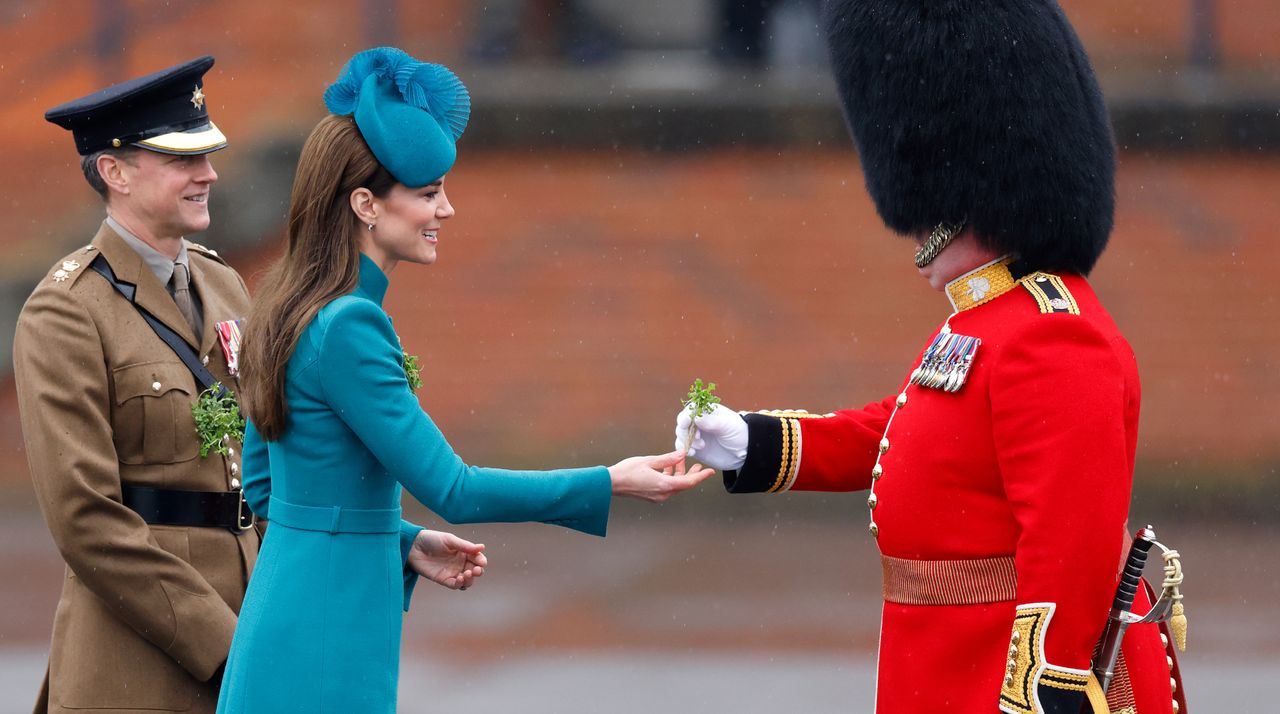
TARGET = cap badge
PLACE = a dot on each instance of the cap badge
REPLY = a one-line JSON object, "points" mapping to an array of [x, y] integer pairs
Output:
{"points": [[197, 98]]}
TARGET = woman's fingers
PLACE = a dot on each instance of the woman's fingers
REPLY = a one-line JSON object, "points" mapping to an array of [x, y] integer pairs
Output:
{"points": [[455, 543], [666, 460]]}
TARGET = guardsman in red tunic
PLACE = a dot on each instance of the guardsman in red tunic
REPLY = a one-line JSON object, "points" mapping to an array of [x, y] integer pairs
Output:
{"points": [[998, 476]]}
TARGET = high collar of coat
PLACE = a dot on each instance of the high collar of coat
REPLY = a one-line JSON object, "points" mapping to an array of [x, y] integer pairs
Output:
{"points": [[982, 284]]}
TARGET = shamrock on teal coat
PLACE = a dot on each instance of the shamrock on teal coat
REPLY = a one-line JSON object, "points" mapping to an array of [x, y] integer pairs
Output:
{"points": [[320, 627]]}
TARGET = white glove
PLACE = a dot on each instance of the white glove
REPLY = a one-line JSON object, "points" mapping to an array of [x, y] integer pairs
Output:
{"points": [[719, 439]]}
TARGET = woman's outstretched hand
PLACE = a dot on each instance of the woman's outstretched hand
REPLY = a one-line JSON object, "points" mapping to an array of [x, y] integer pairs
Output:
{"points": [[446, 559], [656, 478]]}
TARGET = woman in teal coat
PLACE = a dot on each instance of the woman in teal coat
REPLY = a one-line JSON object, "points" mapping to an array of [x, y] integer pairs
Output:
{"points": [[336, 431]]}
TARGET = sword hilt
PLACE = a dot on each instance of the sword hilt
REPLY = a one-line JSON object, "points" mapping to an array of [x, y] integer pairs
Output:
{"points": [[1133, 566]]}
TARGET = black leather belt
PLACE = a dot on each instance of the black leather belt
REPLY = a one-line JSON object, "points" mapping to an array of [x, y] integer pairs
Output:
{"points": [[200, 509]]}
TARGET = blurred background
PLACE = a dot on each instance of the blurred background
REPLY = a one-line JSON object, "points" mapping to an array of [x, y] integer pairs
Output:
{"points": [[650, 192]]}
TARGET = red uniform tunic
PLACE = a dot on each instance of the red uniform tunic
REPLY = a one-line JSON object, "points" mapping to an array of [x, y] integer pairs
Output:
{"points": [[1004, 499]]}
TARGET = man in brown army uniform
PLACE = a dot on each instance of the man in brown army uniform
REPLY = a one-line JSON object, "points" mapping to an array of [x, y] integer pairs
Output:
{"points": [[157, 540]]}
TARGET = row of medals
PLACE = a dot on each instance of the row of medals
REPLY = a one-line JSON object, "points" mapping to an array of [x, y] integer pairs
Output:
{"points": [[947, 361]]}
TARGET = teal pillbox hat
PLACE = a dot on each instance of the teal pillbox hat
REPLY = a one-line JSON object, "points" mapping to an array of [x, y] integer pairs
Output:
{"points": [[410, 113]]}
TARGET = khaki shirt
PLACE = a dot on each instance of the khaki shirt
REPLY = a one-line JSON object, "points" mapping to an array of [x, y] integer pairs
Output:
{"points": [[147, 612]]}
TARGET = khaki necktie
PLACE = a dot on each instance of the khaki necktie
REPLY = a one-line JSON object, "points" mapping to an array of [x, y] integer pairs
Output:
{"points": [[182, 296]]}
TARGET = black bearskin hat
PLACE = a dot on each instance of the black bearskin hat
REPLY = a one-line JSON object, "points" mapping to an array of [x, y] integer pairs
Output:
{"points": [[982, 111]]}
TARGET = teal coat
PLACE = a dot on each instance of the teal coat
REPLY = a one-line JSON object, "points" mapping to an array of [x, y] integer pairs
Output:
{"points": [[320, 626]]}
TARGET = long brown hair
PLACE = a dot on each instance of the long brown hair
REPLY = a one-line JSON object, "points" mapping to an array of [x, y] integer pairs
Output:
{"points": [[321, 262]]}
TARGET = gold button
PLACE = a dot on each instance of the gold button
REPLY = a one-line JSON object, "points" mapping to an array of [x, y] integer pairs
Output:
{"points": [[884, 445], [230, 452], [1008, 681], [115, 143], [1015, 637], [1173, 684], [874, 529], [1011, 666], [1164, 640], [235, 483], [155, 386], [1013, 651], [204, 359], [877, 472], [872, 501], [235, 469], [1169, 660], [902, 400], [1175, 707]]}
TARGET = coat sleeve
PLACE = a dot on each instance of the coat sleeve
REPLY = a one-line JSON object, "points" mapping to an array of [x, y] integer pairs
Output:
{"points": [[363, 380], [255, 462], [63, 398], [799, 451], [1059, 404], [408, 532]]}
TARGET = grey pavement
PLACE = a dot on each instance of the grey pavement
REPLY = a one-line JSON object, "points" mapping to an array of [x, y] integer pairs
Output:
{"points": [[752, 611], [588, 683]]}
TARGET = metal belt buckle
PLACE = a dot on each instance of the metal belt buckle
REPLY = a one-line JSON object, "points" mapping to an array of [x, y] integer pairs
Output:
{"points": [[242, 509]]}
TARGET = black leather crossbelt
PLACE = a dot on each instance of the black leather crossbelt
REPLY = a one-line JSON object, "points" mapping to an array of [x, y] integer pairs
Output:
{"points": [[201, 509]]}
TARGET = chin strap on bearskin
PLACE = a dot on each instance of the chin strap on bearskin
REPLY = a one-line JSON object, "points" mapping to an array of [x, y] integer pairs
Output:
{"points": [[940, 238]]}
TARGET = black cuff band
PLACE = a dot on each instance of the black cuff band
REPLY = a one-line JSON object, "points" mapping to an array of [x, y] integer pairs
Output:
{"points": [[759, 474]]}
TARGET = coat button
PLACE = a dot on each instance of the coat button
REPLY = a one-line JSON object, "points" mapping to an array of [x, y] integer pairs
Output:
{"points": [[235, 483], [872, 501], [1173, 684], [231, 452], [877, 472], [155, 386], [235, 469], [1164, 640], [1169, 661], [204, 360], [884, 445], [1175, 707], [874, 530], [1015, 637], [1013, 651], [1013, 664], [1008, 680], [902, 400]]}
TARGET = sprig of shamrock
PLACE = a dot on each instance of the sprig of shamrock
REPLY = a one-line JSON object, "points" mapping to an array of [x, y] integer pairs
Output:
{"points": [[700, 401], [217, 416], [412, 371]]}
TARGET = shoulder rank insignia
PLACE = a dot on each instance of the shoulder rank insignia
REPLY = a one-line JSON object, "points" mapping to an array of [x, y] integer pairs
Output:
{"points": [[68, 267], [1050, 293], [947, 361]]}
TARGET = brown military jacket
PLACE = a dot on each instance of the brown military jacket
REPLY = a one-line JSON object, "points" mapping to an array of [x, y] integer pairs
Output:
{"points": [[147, 612]]}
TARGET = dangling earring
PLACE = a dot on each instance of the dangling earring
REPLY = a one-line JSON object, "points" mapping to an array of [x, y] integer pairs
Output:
{"points": [[370, 226]]}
